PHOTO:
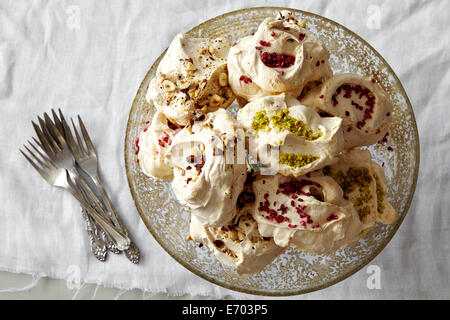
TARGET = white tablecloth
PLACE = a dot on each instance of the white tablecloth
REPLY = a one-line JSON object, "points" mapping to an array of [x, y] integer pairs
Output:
{"points": [[89, 57]]}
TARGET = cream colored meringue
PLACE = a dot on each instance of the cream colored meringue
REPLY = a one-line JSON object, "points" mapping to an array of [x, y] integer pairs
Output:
{"points": [[362, 124], [320, 138], [283, 35], [206, 180], [153, 144], [239, 244], [363, 182], [191, 77], [307, 213]]}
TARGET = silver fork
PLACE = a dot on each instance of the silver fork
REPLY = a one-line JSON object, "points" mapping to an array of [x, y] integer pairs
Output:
{"points": [[86, 157], [58, 128], [59, 177], [98, 246], [57, 149]]}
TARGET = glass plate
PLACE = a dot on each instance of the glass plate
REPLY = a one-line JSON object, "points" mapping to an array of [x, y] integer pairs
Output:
{"points": [[293, 272]]}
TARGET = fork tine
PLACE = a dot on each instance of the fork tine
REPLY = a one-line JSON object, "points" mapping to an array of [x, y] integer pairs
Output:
{"points": [[35, 166], [54, 130], [88, 141], [84, 153], [61, 116], [47, 147], [38, 143], [42, 164], [50, 139], [49, 162], [58, 122], [70, 141]]}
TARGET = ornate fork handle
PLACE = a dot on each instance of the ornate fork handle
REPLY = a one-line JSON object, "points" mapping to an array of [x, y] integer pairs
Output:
{"points": [[132, 253], [120, 240], [98, 247]]}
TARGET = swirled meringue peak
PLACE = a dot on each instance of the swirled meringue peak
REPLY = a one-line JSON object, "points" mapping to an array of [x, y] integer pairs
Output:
{"points": [[238, 244], [153, 143], [291, 138], [207, 179], [363, 183], [191, 77], [281, 57], [361, 102], [307, 213]]}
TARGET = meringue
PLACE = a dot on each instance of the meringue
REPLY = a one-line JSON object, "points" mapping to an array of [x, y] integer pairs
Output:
{"points": [[191, 77], [362, 104], [363, 183], [307, 213], [153, 144], [300, 140], [281, 57], [239, 244], [206, 180]]}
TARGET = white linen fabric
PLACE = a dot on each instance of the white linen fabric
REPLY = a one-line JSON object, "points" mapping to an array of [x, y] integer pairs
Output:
{"points": [[89, 58]]}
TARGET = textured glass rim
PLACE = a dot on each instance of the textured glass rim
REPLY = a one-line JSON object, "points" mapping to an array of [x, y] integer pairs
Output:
{"points": [[367, 258]]}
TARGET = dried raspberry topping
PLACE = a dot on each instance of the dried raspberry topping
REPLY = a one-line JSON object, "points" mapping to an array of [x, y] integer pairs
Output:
{"points": [[301, 36], [332, 217], [273, 34], [165, 138], [245, 79], [274, 60], [265, 43], [360, 92]]}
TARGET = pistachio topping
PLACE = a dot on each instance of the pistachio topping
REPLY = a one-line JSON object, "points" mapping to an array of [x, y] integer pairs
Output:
{"points": [[296, 160], [260, 121], [356, 178], [380, 195], [284, 121]]}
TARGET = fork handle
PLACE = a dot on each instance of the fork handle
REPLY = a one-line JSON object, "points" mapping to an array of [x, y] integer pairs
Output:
{"points": [[98, 247], [132, 253], [120, 240]]}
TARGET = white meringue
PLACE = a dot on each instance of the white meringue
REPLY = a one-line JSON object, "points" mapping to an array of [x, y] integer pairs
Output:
{"points": [[153, 144], [364, 107], [253, 73], [205, 179], [363, 182], [299, 132], [192, 76], [238, 245], [308, 213]]}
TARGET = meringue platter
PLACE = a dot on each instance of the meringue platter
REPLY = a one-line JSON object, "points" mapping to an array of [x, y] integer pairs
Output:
{"points": [[271, 151]]}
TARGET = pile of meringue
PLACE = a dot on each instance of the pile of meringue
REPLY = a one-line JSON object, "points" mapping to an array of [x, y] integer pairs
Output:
{"points": [[288, 170]]}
